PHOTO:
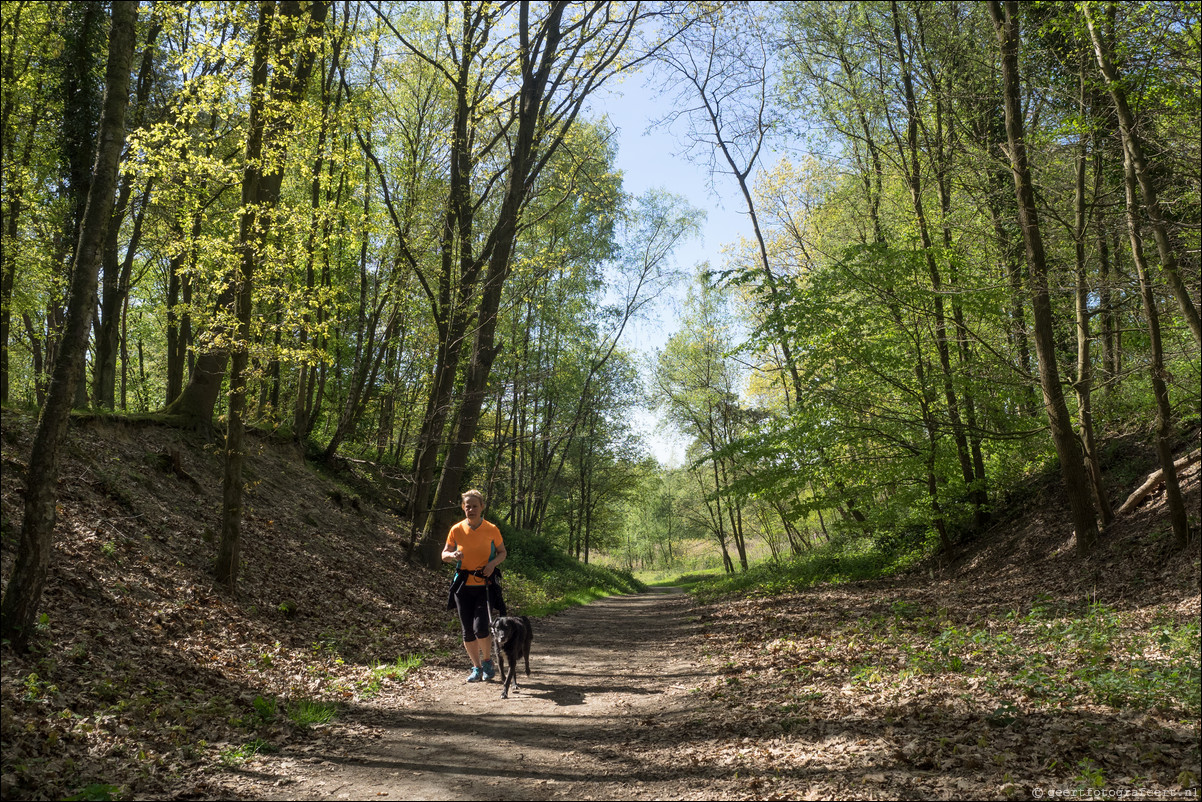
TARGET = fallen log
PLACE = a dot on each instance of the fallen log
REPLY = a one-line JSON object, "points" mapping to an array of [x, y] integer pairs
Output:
{"points": [[1154, 479]]}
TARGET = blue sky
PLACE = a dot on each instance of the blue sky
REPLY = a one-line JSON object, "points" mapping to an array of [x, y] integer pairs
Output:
{"points": [[652, 160]]}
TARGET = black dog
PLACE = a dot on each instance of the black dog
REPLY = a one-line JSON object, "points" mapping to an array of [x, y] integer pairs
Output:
{"points": [[512, 635]]}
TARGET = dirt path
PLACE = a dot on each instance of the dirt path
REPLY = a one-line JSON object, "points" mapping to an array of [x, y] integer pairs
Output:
{"points": [[599, 675]]}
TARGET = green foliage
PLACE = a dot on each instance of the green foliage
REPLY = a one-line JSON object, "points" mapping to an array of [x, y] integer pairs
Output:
{"points": [[838, 561], [237, 755], [396, 671], [98, 792], [307, 712], [540, 579], [265, 709]]}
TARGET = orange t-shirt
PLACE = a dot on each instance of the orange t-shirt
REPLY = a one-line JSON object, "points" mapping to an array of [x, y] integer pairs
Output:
{"points": [[476, 544]]}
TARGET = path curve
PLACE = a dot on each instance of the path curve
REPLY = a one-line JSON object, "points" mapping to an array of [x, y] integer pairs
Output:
{"points": [[599, 674]]}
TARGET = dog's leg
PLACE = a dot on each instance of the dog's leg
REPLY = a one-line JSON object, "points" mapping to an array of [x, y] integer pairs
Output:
{"points": [[526, 641], [498, 651], [526, 646], [507, 678], [499, 656], [512, 677]]}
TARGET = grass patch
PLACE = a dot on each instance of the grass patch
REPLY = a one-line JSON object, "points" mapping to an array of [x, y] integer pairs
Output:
{"points": [[539, 579], [237, 755], [560, 602], [834, 562], [685, 581], [98, 791], [1053, 656], [265, 709], [396, 672], [307, 712]]}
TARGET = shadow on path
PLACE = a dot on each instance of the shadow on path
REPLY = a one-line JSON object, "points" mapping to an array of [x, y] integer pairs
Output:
{"points": [[598, 674]]}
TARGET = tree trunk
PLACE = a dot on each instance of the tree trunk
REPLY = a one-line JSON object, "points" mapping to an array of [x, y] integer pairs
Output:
{"points": [[24, 590], [535, 70], [196, 403], [116, 287], [1133, 146], [450, 316], [261, 183], [1084, 383], [1076, 484], [116, 280], [944, 140], [1164, 411], [1110, 363], [12, 215], [914, 182]]}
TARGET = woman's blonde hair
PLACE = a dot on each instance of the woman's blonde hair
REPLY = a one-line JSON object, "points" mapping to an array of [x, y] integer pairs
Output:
{"points": [[473, 494]]}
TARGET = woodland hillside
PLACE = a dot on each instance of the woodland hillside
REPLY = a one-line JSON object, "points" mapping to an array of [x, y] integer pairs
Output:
{"points": [[144, 672]]}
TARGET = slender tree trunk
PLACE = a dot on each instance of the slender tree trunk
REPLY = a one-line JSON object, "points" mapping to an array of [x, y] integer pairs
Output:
{"points": [[179, 320], [1084, 383], [1164, 411], [914, 181], [116, 280], [991, 133], [362, 382], [117, 277], [261, 183], [941, 144], [24, 590], [229, 547], [1076, 483], [12, 218], [1133, 145], [1110, 368]]}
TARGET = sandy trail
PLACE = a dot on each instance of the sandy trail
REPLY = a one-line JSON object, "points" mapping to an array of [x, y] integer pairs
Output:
{"points": [[599, 673]]}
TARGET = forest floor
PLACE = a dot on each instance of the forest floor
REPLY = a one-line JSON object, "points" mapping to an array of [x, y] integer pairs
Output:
{"points": [[1017, 671]]}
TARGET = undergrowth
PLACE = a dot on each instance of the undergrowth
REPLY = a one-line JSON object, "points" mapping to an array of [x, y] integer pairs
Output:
{"points": [[834, 562], [1051, 656], [539, 579]]}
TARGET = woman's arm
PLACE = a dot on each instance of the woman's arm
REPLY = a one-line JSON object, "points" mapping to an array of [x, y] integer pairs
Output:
{"points": [[495, 561]]}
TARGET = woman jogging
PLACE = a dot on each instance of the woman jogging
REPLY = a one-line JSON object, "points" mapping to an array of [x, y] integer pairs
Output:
{"points": [[477, 547]]}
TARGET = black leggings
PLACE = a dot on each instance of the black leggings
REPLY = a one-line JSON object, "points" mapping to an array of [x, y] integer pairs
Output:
{"points": [[472, 603]]}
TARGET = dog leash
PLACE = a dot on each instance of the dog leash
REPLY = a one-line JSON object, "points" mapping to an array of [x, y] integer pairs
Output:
{"points": [[492, 633]]}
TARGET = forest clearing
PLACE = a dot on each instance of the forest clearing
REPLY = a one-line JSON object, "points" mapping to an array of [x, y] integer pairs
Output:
{"points": [[888, 490]]}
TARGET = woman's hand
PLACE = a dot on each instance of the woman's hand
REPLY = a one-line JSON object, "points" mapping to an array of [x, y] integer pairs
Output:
{"points": [[495, 561]]}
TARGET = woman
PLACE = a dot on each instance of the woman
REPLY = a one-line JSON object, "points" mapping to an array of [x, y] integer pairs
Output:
{"points": [[477, 547]]}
